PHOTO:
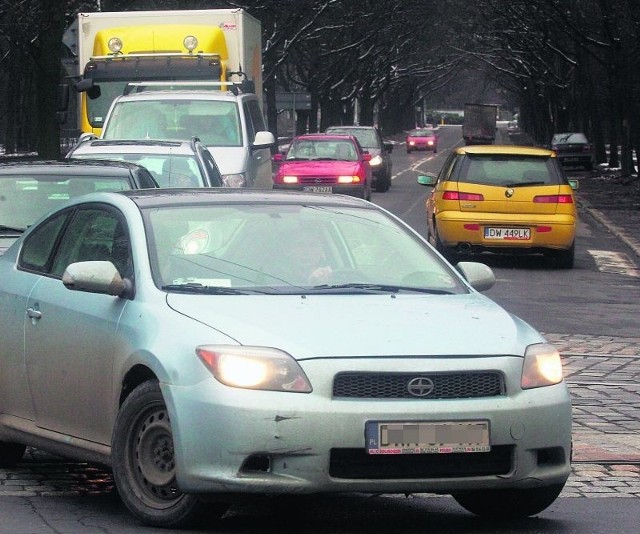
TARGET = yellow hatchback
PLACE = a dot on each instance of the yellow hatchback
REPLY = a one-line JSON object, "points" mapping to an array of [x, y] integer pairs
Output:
{"points": [[505, 199]]}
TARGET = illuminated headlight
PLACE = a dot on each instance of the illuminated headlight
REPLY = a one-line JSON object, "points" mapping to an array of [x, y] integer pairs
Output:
{"points": [[115, 45], [542, 366], [233, 180], [289, 179], [376, 160], [348, 179], [190, 42], [412, 143], [254, 368]]}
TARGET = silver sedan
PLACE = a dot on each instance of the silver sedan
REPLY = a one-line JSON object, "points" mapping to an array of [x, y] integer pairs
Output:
{"points": [[208, 344]]}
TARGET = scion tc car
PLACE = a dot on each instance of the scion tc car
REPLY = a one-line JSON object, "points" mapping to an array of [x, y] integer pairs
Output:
{"points": [[191, 341], [503, 199], [320, 163], [422, 139]]}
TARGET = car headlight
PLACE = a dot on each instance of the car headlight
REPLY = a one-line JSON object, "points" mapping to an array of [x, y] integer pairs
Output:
{"points": [[542, 366], [234, 180], [254, 368], [376, 160]]}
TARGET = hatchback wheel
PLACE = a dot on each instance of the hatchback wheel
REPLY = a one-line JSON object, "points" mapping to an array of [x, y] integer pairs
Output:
{"points": [[11, 453], [508, 503], [144, 462], [434, 239], [564, 259]]}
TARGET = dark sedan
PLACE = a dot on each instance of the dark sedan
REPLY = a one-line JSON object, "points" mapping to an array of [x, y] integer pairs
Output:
{"points": [[30, 189], [573, 150]]}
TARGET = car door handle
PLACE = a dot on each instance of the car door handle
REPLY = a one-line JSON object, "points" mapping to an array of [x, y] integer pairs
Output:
{"points": [[33, 313]]}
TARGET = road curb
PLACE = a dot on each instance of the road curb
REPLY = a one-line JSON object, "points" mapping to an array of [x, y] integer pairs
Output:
{"points": [[621, 234]]}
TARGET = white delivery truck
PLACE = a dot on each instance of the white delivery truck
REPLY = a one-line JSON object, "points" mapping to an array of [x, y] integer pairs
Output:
{"points": [[165, 51]]}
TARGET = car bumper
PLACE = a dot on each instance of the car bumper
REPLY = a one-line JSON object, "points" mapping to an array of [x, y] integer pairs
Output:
{"points": [[240, 441], [546, 232], [351, 190], [422, 146]]}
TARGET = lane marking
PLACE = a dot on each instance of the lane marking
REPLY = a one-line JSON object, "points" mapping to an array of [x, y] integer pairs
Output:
{"points": [[614, 262]]}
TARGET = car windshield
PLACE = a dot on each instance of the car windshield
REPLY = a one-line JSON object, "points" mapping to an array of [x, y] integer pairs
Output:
{"points": [[290, 249], [507, 170], [321, 149], [215, 122], [24, 199], [366, 137], [168, 170], [421, 133], [559, 139]]}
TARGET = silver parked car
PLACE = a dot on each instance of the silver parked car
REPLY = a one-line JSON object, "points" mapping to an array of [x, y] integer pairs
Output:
{"points": [[172, 163], [240, 342]]}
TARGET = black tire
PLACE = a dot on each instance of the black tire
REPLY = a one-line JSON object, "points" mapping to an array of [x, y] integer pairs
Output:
{"points": [[408, 151], [382, 186], [565, 259], [508, 503], [11, 453], [144, 463], [434, 239]]}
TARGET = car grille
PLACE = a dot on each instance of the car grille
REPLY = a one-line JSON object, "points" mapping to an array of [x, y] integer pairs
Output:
{"points": [[317, 180], [357, 464], [397, 385]]}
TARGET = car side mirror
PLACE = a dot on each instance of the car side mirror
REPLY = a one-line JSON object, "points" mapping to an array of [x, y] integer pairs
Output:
{"points": [[479, 276], [574, 184], [367, 157], [278, 157], [428, 179], [96, 277], [263, 140]]}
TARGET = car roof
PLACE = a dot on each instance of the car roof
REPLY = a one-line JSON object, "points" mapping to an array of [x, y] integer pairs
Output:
{"points": [[69, 167], [352, 127], [505, 150], [325, 137], [146, 198], [129, 146], [183, 94]]}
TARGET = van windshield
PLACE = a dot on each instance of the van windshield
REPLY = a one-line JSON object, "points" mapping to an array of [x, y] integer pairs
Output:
{"points": [[215, 122]]}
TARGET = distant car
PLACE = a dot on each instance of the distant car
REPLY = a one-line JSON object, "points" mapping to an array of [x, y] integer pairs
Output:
{"points": [[324, 163], [502, 199], [172, 163], [573, 149], [371, 140], [29, 189], [422, 139], [513, 128], [170, 336]]}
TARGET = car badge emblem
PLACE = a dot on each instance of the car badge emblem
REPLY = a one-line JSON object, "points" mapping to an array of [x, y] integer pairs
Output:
{"points": [[420, 386], [318, 181], [509, 193]]}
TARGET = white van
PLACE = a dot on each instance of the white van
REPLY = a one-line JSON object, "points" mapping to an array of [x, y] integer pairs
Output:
{"points": [[230, 124]]}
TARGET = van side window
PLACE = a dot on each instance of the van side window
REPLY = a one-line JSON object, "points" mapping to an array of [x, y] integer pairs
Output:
{"points": [[255, 118]]}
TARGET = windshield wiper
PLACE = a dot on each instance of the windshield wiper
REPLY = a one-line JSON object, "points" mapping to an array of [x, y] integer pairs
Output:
{"points": [[208, 290], [384, 288], [525, 184], [11, 228]]}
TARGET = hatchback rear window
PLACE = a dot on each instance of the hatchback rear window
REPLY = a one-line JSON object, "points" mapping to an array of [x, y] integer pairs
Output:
{"points": [[508, 171]]}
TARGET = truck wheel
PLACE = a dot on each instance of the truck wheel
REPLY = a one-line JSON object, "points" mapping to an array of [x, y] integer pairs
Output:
{"points": [[144, 462], [508, 504], [11, 453]]}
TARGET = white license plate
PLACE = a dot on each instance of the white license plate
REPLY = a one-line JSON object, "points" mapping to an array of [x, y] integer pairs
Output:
{"points": [[507, 234], [318, 189], [417, 437]]}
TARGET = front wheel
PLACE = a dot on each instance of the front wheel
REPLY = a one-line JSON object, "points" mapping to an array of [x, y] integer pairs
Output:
{"points": [[144, 467], [508, 503]]}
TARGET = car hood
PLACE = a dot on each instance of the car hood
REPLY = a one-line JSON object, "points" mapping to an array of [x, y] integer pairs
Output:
{"points": [[317, 167], [363, 325]]}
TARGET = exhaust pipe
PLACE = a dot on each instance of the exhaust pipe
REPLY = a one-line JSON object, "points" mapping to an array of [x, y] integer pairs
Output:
{"points": [[464, 247]]}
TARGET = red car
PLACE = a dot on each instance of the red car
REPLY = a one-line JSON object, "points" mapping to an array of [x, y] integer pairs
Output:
{"points": [[422, 139], [325, 163]]}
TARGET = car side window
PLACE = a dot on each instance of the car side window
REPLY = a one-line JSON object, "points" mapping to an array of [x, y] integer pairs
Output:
{"points": [[94, 234], [254, 116], [39, 245], [447, 168]]}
